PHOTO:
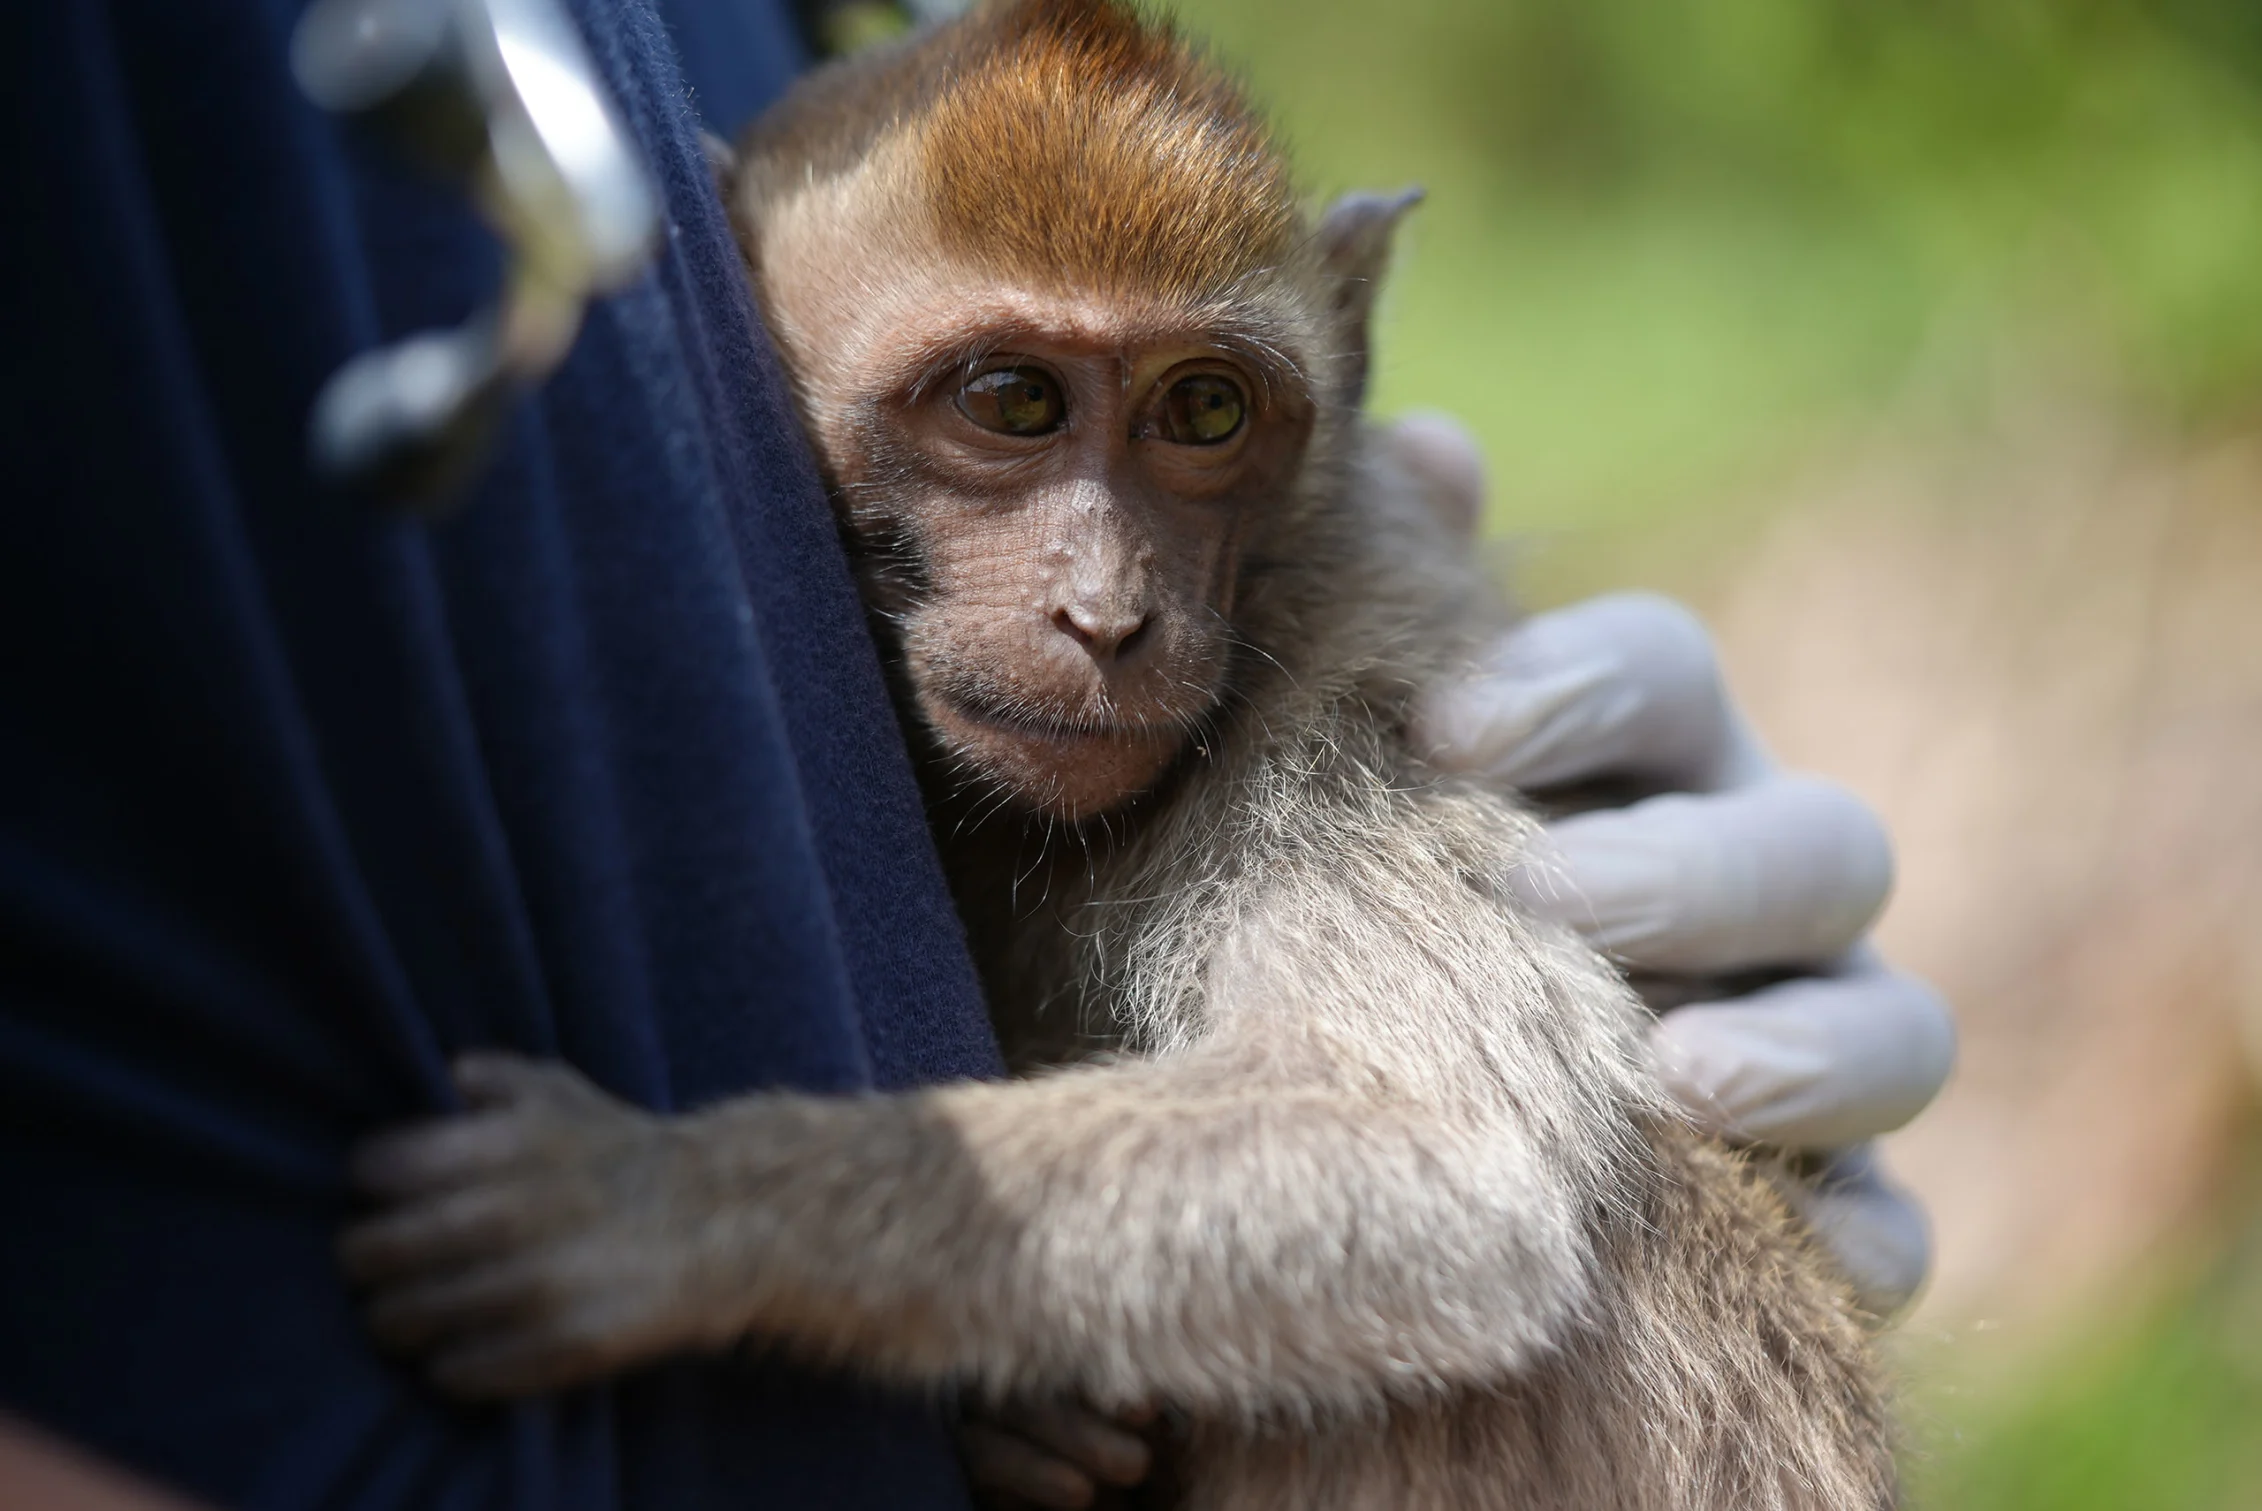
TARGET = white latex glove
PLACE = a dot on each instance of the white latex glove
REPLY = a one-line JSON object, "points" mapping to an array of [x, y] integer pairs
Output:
{"points": [[1736, 868]]}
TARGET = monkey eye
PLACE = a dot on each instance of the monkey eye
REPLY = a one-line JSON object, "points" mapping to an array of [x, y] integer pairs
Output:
{"points": [[1014, 401], [1203, 410]]}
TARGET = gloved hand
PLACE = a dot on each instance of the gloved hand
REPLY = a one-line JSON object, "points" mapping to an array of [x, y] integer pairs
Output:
{"points": [[1730, 867]]}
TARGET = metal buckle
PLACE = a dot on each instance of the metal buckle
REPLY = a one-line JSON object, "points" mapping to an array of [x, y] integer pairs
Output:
{"points": [[500, 96]]}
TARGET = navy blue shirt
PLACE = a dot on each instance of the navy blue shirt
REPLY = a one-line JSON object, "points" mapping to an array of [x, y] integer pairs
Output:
{"points": [[298, 798]]}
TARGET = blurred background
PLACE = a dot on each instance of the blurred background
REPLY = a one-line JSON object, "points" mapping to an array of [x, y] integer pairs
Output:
{"points": [[1920, 346]]}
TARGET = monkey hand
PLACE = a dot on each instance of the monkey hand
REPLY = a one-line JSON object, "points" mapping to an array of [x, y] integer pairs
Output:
{"points": [[1051, 1454], [1736, 895], [528, 1244]]}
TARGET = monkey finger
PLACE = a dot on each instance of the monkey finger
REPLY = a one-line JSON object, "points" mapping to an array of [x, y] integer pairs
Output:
{"points": [[497, 1366], [1786, 872], [437, 1156], [1626, 685], [494, 1078], [411, 1318], [434, 1234], [1821, 1062], [1875, 1230], [1090, 1441], [1009, 1464]]}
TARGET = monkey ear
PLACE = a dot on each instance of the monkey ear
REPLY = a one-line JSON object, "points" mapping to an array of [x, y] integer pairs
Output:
{"points": [[1354, 243]]}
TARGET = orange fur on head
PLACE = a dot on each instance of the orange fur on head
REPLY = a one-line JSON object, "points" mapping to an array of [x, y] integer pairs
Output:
{"points": [[1094, 142]]}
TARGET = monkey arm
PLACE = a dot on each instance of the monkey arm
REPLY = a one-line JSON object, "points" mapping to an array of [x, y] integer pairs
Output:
{"points": [[1127, 1233], [1125, 1236], [1325, 1198]]}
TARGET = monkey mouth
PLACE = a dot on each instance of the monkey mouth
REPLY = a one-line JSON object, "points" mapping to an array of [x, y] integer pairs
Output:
{"points": [[1072, 768], [1033, 724]]}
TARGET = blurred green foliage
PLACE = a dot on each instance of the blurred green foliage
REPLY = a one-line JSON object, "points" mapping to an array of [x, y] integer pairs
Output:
{"points": [[2160, 1420], [2158, 1408], [1671, 245]]}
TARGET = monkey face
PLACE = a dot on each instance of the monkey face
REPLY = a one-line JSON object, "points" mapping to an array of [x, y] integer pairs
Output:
{"points": [[1052, 513], [1074, 512]]}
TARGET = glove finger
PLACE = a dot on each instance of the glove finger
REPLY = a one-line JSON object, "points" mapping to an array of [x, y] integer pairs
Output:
{"points": [[1874, 1229], [1817, 1063], [1441, 456], [1624, 685], [1787, 872]]}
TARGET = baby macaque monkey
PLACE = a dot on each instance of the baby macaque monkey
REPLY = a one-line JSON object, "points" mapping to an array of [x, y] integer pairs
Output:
{"points": [[1373, 1193]]}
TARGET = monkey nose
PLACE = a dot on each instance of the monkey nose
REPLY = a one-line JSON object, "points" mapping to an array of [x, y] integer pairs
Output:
{"points": [[1105, 634]]}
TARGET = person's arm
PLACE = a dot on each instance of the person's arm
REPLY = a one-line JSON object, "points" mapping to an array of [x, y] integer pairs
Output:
{"points": [[40, 1471]]}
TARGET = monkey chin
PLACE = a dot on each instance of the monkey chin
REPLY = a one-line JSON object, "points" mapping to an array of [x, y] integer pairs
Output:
{"points": [[1061, 771]]}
